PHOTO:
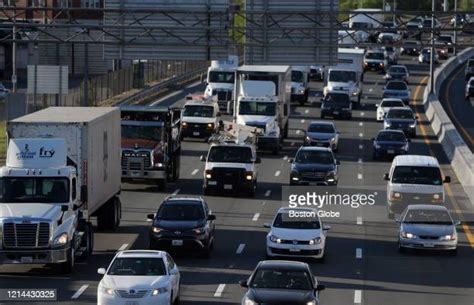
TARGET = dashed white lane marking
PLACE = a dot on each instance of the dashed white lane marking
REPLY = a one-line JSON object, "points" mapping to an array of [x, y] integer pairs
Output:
{"points": [[359, 161], [370, 90], [256, 216], [359, 253], [359, 220], [79, 291], [240, 249], [359, 176], [175, 192], [219, 291], [306, 111], [123, 247], [361, 134], [298, 131], [361, 146], [358, 297], [277, 173], [302, 120], [268, 193], [194, 172], [285, 158], [361, 123], [362, 113]]}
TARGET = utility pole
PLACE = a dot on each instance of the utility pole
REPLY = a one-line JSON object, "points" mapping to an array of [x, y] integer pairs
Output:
{"points": [[14, 79], [455, 34], [432, 47], [394, 9]]}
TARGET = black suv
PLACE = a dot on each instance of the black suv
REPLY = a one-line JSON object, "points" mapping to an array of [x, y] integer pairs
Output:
{"points": [[183, 223], [336, 104]]}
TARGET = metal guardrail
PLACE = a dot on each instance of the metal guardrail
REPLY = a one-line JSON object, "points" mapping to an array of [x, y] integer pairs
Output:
{"points": [[160, 87]]}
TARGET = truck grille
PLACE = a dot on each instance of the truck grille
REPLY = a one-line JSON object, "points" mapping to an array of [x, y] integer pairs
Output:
{"points": [[229, 175], [224, 95], [26, 235], [132, 294], [135, 159]]}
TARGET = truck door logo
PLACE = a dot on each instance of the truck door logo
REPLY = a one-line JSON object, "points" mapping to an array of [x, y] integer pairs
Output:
{"points": [[46, 153], [25, 153]]}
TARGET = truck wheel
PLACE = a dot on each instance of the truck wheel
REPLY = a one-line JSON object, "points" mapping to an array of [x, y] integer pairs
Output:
{"points": [[176, 166], [161, 184], [285, 131], [109, 215], [67, 266], [88, 240]]}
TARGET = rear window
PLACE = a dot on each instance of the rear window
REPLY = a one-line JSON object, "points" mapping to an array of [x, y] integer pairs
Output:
{"points": [[397, 86], [392, 104], [417, 175]]}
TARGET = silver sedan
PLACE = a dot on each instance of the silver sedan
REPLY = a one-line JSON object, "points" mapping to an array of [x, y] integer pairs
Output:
{"points": [[428, 227]]}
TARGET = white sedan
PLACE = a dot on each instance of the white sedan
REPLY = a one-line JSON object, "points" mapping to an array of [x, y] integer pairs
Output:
{"points": [[296, 232], [145, 276], [385, 105]]}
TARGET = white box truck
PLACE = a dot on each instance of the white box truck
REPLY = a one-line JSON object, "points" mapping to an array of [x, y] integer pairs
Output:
{"points": [[368, 20], [348, 74], [62, 168]]}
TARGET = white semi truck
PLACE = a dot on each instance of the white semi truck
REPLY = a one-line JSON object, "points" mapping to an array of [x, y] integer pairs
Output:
{"points": [[262, 99], [347, 75], [62, 168], [220, 81], [300, 84]]}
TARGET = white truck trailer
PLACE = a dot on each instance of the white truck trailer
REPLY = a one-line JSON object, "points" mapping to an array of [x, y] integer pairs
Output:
{"points": [[62, 168]]}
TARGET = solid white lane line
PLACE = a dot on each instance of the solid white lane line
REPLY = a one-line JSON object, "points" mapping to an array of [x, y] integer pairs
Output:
{"points": [[240, 248], [175, 192], [361, 134], [359, 176], [256, 216], [219, 291], [359, 220], [359, 161], [359, 253], [194, 172], [268, 193], [79, 291], [358, 297], [361, 146], [123, 247], [277, 173]]}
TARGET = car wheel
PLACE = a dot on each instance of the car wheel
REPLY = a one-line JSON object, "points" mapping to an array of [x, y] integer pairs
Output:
{"points": [[401, 249], [453, 252]]}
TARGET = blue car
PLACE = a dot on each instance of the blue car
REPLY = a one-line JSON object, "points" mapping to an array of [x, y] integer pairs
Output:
{"points": [[389, 143], [397, 89]]}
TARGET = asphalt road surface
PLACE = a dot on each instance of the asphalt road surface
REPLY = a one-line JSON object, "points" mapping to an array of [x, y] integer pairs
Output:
{"points": [[378, 275]]}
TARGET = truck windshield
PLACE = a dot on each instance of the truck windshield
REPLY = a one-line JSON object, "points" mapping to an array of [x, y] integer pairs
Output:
{"points": [[342, 76], [221, 77], [230, 154], [199, 111], [375, 55], [141, 132], [400, 114], [34, 189], [297, 76], [417, 175], [257, 108]]}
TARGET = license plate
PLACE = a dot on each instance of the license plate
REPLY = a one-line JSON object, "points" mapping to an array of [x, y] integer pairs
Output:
{"points": [[227, 186], [26, 259], [135, 174], [336, 112], [391, 151], [294, 250], [177, 242], [320, 144], [195, 133], [131, 303], [428, 245], [212, 182]]}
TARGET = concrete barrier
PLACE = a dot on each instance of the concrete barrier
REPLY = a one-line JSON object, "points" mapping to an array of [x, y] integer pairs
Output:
{"points": [[458, 153]]}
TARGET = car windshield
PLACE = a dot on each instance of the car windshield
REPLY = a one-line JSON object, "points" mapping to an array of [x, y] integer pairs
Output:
{"points": [[283, 220], [342, 76], [257, 108], [397, 70], [337, 98], [314, 157], [391, 136], [180, 212], [34, 189], [428, 217], [417, 175], [137, 266], [282, 279], [322, 128], [391, 103], [396, 86], [400, 114], [221, 77], [389, 49], [297, 76], [230, 154], [198, 111], [141, 132], [375, 55]]}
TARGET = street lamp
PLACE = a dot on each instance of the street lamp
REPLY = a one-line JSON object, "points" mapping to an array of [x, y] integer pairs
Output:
{"points": [[432, 47]]}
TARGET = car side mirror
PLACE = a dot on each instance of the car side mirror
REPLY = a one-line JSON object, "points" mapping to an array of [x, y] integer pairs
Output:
{"points": [[150, 216], [243, 283], [211, 217], [386, 177], [326, 228], [258, 160], [338, 162], [447, 179], [320, 287], [457, 223], [376, 105], [202, 158], [101, 271], [290, 160], [267, 225]]}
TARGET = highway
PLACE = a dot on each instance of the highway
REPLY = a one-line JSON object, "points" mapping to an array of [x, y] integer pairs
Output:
{"points": [[362, 266], [460, 110]]}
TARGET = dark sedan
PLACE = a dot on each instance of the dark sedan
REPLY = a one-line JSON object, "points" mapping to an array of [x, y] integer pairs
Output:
{"points": [[281, 282], [389, 143], [183, 223], [336, 104], [411, 47], [314, 165], [397, 72], [401, 118]]}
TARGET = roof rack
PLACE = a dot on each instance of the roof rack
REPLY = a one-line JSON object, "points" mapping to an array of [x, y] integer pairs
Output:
{"points": [[233, 133]]}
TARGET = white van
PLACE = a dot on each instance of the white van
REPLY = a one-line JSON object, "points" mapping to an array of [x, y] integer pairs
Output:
{"points": [[414, 179]]}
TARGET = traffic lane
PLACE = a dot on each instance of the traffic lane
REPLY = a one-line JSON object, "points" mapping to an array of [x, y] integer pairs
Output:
{"points": [[460, 110]]}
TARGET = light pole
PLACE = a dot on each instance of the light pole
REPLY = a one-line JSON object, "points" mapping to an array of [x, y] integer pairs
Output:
{"points": [[455, 35], [432, 47]]}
